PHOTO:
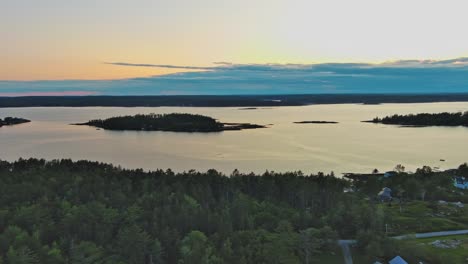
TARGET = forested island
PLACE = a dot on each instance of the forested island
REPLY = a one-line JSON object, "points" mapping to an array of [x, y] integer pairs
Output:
{"points": [[316, 122], [10, 121], [62, 211], [425, 119], [175, 122]]}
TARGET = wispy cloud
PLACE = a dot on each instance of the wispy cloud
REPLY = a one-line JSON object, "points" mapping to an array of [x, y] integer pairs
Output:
{"points": [[224, 66], [64, 93], [425, 63], [408, 76], [159, 66]]}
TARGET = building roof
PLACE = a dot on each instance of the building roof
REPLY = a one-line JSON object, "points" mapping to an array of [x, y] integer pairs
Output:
{"points": [[461, 182], [387, 192], [397, 260], [461, 179]]}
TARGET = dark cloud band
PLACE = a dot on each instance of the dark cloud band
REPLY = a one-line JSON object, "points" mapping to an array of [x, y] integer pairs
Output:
{"points": [[410, 76]]}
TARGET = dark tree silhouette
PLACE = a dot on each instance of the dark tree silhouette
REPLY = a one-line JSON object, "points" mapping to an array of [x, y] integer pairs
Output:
{"points": [[425, 119], [168, 122]]}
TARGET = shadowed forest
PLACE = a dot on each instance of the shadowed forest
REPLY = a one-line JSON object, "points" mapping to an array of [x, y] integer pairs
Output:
{"points": [[87, 212], [177, 122]]}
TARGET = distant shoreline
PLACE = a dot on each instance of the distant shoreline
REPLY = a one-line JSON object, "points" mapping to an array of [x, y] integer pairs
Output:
{"points": [[245, 101]]}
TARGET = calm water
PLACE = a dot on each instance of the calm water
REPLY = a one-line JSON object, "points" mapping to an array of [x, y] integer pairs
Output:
{"points": [[350, 146]]}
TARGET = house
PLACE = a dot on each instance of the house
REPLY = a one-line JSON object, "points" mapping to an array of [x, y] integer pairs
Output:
{"points": [[389, 174], [397, 260], [385, 194], [460, 182]]}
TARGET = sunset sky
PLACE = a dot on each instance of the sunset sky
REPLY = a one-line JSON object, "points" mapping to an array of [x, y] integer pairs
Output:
{"points": [[64, 39]]}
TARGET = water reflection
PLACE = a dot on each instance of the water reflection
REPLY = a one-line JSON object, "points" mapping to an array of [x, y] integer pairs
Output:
{"points": [[347, 146]]}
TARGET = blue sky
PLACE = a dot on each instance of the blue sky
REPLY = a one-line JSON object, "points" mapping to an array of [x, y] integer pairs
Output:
{"points": [[409, 76]]}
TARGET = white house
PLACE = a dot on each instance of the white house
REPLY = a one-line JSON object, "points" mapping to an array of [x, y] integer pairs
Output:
{"points": [[460, 182]]}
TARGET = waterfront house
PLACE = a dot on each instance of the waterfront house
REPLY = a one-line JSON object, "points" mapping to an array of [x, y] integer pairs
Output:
{"points": [[460, 182]]}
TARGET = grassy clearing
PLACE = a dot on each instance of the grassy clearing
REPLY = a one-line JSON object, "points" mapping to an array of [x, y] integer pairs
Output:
{"points": [[334, 257], [420, 217], [456, 255], [337, 257]]}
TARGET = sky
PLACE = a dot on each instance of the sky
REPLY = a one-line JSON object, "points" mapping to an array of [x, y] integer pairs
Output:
{"points": [[69, 47]]}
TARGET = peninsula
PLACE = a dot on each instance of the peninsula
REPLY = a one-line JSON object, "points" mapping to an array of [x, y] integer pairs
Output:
{"points": [[10, 121], [175, 122]]}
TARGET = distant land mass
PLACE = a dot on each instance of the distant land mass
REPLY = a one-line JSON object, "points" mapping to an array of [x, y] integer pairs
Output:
{"points": [[175, 122], [425, 119], [226, 100], [10, 121]]}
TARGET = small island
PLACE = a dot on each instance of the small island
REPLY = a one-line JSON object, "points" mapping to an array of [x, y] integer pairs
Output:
{"points": [[316, 122], [10, 121], [425, 119], [175, 122], [248, 108]]}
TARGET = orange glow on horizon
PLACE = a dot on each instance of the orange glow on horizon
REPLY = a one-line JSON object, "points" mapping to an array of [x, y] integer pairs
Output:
{"points": [[95, 71]]}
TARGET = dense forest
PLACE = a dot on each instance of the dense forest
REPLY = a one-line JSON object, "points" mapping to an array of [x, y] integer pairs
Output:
{"points": [[87, 212], [425, 119], [168, 122], [228, 100], [10, 121]]}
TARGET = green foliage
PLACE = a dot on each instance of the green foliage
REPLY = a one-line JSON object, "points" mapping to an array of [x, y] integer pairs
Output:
{"points": [[313, 242], [88, 212], [195, 248], [85, 252], [22, 255], [62, 212], [133, 244]]}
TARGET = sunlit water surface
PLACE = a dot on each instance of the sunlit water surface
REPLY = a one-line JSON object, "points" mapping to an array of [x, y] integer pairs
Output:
{"points": [[350, 146]]}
